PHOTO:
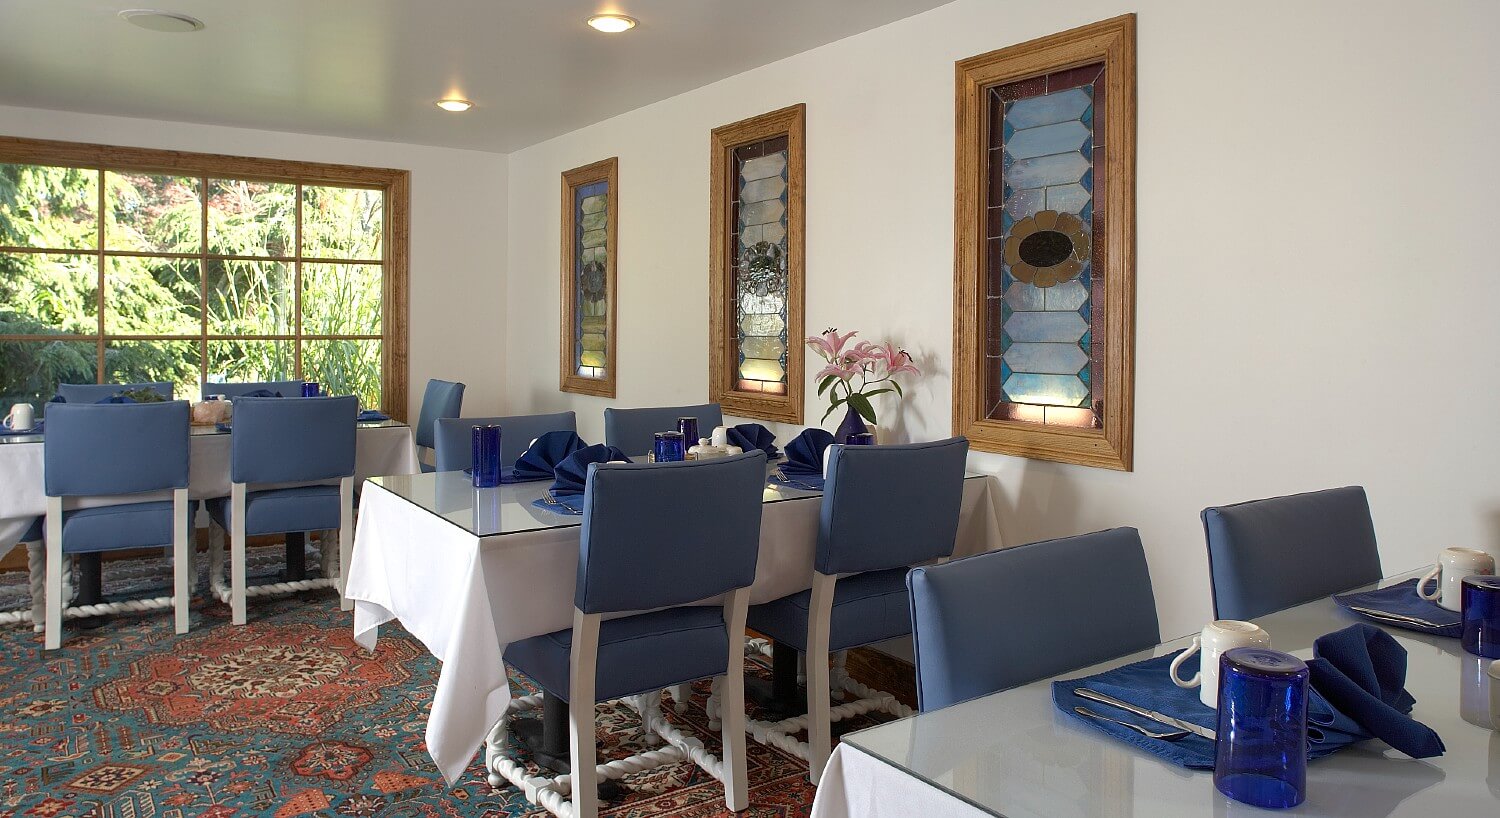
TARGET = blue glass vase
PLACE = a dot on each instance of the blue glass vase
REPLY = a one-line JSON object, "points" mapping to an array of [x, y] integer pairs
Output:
{"points": [[310, 389], [689, 429], [485, 455], [1481, 615], [853, 425], [669, 448], [1260, 757]]}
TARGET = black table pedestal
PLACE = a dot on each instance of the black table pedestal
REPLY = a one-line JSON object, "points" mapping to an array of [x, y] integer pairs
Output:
{"points": [[296, 557], [780, 698], [547, 741], [90, 589]]}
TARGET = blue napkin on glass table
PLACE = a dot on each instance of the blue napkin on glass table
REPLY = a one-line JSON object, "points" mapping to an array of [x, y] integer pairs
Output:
{"points": [[1145, 684], [116, 399], [542, 457], [1402, 598], [571, 475], [369, 416], [752, 436], [1361, 670], [222, 427], [260, 393], [35, 430], [803, 467]]}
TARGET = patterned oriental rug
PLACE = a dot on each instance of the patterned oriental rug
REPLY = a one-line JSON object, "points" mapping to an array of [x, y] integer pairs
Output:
{"points": [[284, 717]]}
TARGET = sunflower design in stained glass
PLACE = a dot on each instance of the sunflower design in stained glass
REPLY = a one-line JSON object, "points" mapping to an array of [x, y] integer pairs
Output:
{"points": [[593, 281], [763, 268], [1047, 248]]}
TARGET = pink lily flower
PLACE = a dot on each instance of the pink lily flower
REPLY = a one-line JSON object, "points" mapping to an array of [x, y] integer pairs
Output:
{"points": [[829, 345], [896, 361]]}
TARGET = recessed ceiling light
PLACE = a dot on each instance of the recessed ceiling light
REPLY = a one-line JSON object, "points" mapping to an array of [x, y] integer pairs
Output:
{"points": [[168, 21], [455, 105], [612, 23]]}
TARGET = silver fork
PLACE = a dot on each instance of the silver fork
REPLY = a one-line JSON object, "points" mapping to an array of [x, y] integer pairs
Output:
{"points": [[1170, 735]]}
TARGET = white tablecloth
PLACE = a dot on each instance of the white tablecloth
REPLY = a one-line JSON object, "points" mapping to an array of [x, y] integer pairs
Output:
{"points": [[858, 785], [380, 450], [466, 598]]}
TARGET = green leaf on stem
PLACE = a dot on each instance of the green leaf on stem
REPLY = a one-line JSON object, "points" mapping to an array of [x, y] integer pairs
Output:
{"points": [[837, 402], [827, 382], [862, 405], [898, 389]]}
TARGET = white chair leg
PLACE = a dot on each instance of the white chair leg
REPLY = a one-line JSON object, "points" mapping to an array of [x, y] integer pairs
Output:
{"points": [[732, 705], [181, 531], [52, 635], [346, 539], [680, 696], [819, 739], [36, 568], [237, 553], [838, 675], [581, 738]]}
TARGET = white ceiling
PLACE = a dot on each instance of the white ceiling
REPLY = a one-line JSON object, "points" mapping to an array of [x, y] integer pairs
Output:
{"points": [[372, 69]]}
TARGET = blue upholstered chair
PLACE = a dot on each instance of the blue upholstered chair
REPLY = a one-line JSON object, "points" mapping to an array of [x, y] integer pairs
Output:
{"points": [[443, 399], [1266, 555], [453, 438], [632, 430], [95, 392], [287, 389], [1008, 617], [885, 509], [639, 552], [291, 469], [133, 454]]}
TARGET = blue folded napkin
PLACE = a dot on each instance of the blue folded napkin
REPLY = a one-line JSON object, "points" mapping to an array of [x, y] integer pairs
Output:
{"points": [[571, 475], [116, 399], [35, 430], [542, 457], [1145, 684], [752, 436], [260, 393], [1402, 598], [803, 467], [369, 416], [1361, 670], [222, 427]]}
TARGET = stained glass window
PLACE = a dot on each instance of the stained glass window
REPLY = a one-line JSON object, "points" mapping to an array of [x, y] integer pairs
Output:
{"points": [[760, 265], [588, 266], [1045, 289], [1044, 249]]}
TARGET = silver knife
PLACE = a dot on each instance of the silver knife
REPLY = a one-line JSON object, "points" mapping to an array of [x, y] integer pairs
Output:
{"points": [[1394, 617], [1162, 718]]}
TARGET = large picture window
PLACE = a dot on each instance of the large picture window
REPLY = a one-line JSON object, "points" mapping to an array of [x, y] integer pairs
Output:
{"points": [[128, 265], [1044, 258]]}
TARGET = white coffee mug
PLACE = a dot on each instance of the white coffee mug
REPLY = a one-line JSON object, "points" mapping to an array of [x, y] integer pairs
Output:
{"points": [[1217, 637], [1455, 564], [21, 417]]}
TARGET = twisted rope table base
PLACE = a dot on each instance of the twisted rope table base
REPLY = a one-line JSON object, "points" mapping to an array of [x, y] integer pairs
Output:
{"points": [[553, 794], [218, 584]]}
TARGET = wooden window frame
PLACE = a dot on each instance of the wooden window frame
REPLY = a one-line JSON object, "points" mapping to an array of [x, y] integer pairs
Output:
{"points": [[722, 332], [568, 379], [394, 183], [1112, 42]]}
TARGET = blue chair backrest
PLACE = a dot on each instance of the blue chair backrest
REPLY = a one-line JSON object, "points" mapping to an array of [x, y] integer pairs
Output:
{"points": [[115, 448], [632, 430], [443, 399], [1013, 616], [453, 437], [1267, 555], [292, 441], [95, 392], [661, 534], [287, 389], [890, 506]]}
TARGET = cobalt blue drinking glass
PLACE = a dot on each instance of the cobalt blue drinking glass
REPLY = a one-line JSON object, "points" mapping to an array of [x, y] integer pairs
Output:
{"points": [[311, 389], [486, 456], [689, 429], [861, 439], [1261, 753], [669, 447], [1481, 615]]}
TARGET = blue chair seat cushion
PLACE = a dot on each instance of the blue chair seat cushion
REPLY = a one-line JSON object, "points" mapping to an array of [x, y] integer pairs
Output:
{"points": [[636, 653], [106, 528], [868, 607], [279, 511]]}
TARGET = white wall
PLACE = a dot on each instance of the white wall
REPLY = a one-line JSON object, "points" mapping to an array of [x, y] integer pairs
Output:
{"points": [[1316, 263], [458, 222]]}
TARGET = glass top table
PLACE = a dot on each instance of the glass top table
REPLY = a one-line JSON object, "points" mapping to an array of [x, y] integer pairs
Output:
{"points": [[509, 508], [196, 431], [1012, 754]]}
